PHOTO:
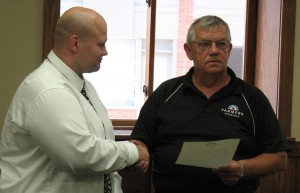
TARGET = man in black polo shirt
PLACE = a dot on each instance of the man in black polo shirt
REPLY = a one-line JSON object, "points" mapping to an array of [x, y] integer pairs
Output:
{"points": [[210, 103]]}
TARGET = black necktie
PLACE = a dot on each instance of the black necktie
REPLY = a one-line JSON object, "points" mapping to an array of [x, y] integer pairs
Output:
{"points": [[107, 182], [83, 92]]}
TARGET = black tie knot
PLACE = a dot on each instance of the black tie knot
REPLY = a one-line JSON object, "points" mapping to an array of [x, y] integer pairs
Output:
{"points": [[83, 92]]}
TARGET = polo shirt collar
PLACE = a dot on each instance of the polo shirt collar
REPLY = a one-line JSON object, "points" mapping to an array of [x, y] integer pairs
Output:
{"points": [[233, 86], [66, 70]]}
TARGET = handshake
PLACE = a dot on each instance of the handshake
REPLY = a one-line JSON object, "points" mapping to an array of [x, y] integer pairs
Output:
{"points": [[144, 160]]}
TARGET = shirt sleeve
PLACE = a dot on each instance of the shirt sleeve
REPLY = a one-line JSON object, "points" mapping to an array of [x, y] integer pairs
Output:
{"points": [[146, 126], [57, 124], [269, 135]]}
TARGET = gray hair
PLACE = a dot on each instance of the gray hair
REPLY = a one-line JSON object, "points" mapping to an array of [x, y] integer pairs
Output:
{"points": [[206, 22]]}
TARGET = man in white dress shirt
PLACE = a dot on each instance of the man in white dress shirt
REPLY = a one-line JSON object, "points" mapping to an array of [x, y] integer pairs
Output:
{"points": [[54, 140]]}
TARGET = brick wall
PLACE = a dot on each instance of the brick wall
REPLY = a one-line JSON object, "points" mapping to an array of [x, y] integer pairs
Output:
{"points": [[185, 18]]}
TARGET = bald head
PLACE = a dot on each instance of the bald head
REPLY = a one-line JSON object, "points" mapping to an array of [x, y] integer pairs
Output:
{"points": [[79, 39], [78, 21]]}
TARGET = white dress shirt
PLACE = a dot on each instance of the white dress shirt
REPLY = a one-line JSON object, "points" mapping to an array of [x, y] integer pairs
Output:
{"points": [[53, 141]]}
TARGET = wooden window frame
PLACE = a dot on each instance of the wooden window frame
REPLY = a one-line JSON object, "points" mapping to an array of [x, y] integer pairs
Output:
{"points": [[269, 51]]}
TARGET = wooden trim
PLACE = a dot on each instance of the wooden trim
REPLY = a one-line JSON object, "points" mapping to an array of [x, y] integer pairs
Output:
{"points": [[295, 152], [267, 50], [286, 68], [150, 47], [123, 124], [275, 56], [51, 15], [250, 40]]}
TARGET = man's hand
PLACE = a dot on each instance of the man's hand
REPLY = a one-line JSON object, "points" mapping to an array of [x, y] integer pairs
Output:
{"points": [[143, 162], [230, 174]]}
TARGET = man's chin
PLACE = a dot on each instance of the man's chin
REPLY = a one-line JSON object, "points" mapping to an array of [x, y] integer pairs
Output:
{"points": [[93, 70], [96, 68], [215, 70]]}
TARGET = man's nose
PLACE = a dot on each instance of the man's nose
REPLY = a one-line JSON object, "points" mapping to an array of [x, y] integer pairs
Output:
{"points": [[213, 49], [104, 52]]}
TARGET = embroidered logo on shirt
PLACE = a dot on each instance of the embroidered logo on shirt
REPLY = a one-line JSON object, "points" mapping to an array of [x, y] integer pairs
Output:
{"points": [[232, 110]]}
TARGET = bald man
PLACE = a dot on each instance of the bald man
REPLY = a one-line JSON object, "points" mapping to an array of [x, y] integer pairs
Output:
{"points": [[57, 137]]}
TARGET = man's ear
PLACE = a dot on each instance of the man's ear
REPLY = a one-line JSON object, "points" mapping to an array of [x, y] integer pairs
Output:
{"points": [[229, 48], [187, 48], [73, 43]]}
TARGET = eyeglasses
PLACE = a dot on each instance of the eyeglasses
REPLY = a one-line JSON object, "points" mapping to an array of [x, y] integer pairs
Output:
{"points": [[205, 44]]}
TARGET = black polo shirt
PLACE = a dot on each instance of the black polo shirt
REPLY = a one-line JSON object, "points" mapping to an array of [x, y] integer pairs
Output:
{"points": [[177, 112]]}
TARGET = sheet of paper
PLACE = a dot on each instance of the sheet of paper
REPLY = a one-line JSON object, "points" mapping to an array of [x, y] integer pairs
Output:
{"points": [[210, 154]]}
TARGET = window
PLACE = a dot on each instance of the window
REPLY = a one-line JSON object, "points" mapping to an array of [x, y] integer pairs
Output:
{"points": [[158, 50], [120, 81]]}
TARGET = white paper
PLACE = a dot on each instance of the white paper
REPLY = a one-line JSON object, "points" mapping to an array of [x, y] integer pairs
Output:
{"points": [[209, 154]]}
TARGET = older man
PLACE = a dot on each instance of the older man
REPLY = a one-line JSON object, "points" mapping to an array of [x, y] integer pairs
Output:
{"points": [[210, 103]]}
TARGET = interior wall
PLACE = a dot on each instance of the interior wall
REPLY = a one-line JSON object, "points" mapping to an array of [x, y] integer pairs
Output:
{"points": [[21, 37], [21, 42], [295, 132]]}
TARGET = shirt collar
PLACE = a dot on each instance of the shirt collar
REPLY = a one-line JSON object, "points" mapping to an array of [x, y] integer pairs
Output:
{"points": [[66, 70], [233, 86]]}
